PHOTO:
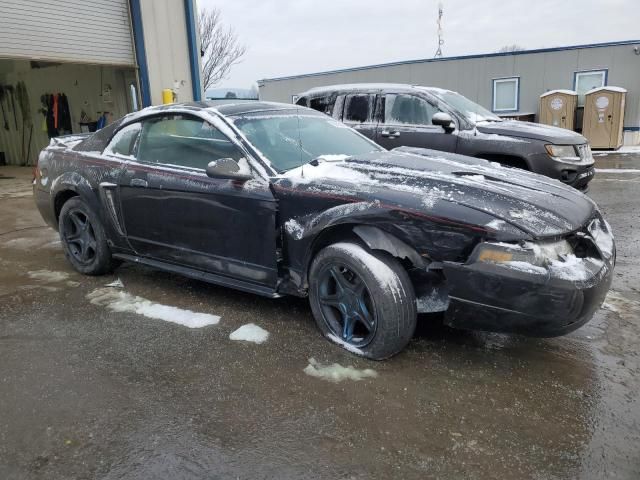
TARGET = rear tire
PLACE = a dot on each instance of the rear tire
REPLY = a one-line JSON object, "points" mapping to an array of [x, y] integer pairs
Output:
{"points": [[83, 238], [362, 300]]}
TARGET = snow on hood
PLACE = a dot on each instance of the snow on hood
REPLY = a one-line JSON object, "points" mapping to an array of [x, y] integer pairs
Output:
{"points": [[534, 131], [449, 185]]}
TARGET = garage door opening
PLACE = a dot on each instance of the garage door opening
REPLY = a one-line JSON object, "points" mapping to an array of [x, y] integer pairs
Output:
{"points": [[41, 100]]}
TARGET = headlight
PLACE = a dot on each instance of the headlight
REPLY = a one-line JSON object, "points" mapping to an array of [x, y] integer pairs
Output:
{"points": [[563, 152], [536, 254]]}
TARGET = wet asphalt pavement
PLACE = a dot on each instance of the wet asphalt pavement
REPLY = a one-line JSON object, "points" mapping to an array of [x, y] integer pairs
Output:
{"points": [[86, 392]]}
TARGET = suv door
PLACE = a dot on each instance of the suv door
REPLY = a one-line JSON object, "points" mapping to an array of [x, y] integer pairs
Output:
{"points": [[358, 113], [406, 121], [175, 213]]}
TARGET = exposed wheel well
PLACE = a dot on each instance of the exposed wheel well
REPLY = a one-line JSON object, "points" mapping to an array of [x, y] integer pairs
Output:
{"points": [[507, 160], [345, 232], [61, 199]]}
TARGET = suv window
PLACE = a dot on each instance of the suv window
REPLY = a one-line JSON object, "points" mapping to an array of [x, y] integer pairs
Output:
{"points": [[358, 108], [323, 104], [184, 141], [408, 109], [123, 142]]}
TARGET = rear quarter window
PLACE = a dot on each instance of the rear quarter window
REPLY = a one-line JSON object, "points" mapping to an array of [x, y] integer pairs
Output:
{"points": [[99, 140]]}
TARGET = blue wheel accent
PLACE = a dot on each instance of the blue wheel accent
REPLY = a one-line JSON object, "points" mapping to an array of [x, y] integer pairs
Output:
{"points": [[346, 305]]}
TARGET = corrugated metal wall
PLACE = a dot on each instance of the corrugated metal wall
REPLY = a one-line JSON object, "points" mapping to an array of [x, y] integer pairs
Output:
{"points": [[472, 77], [86, 31]]}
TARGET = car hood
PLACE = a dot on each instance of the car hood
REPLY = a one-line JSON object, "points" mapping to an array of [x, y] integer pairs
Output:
{"points": [[534, 131], [510, 203]]}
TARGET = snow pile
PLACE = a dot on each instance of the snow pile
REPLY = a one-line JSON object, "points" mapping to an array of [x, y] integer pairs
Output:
{"points": [[115, 284], [571, 268], [294, 229], [326, 170], [48, 276], [119, 301], [336, 372], [250, 333]]}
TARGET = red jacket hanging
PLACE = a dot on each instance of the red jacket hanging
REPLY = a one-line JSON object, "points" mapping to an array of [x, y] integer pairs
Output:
{"points": [[55, 110]]}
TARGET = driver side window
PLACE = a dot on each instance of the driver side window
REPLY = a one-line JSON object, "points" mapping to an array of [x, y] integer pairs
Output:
{"points": [[408, 109], [184, 141]]}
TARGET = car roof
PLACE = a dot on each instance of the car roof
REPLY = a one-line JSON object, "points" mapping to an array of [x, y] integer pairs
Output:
{"points": [[225, 108], [369, 87]]}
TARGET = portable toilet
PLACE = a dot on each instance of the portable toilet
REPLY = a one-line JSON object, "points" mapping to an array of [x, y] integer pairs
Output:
{"points": [[558, 108], [603, 117]]}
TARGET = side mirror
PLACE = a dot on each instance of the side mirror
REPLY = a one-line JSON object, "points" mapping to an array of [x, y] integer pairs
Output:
{"points": [[226, 168], [443, 120]]}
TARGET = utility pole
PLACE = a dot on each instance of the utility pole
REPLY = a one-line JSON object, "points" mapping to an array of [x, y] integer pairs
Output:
{"points": [[440, 34]]}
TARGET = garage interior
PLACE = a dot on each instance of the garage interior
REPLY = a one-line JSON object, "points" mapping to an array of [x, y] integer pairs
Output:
{"points": [[65, 68], [40, 100]]}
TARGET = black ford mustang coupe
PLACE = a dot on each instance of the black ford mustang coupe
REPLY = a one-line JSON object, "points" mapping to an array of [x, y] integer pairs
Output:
{"points": [[276, 199]]}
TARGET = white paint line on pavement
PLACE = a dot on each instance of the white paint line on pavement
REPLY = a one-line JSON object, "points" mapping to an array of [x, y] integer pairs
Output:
{"points": [[617, 170]]}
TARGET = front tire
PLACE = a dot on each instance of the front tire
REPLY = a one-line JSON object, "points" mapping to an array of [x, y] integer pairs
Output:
{"points": [[83, 238], [362, 300]]}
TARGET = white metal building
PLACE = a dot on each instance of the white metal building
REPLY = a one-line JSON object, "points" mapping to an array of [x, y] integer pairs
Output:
{"points": [[64, 64], [510, 84]]}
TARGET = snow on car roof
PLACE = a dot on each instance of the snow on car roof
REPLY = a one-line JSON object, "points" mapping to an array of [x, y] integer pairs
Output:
{"points": [[369, 86]]}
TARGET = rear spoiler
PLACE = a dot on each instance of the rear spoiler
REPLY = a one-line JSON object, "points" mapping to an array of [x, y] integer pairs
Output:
{"points": [[67, 141]]}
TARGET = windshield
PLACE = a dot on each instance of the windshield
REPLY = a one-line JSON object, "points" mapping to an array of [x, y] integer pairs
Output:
{"points": [[470, 110], [289, 140]]}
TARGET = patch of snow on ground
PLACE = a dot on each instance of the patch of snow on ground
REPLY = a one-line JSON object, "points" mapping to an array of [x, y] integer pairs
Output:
{"points": [[250, 333], [115, 284], [294, 229], [336, 372], [345, 345], [617, 170], [48, 276], [624, 149], [119, 301], [625, 308]]}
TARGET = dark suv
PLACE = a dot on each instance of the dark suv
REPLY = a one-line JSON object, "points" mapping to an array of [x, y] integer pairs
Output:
{"points": [[414, 116]]}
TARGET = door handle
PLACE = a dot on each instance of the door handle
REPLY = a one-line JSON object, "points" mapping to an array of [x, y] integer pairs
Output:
{"points": [[139, 182], [388, 134]]}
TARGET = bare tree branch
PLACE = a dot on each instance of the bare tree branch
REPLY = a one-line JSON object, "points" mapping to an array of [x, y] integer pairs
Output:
{"points": [[219, 47]]}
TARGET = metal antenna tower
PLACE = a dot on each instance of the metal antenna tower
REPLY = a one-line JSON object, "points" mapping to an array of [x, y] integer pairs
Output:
{"points": [[440, 34]]}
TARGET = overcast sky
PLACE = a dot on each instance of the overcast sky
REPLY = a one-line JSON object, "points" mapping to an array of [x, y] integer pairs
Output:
{"points": [[288, 37]]}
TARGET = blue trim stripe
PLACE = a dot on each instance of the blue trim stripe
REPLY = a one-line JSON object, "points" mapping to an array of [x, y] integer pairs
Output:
{"points": [[461, 57], [631, 129], [141, 53], [194, 51]]}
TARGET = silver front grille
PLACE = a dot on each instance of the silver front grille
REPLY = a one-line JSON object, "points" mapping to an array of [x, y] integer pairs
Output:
{"points": [[584, 151]]}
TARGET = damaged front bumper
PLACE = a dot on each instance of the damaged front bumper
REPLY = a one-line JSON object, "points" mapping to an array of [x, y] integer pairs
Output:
{"points": [[492, 297]]}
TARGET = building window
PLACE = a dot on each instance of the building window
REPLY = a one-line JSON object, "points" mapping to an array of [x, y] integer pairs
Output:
{"points": [[506, 93], [585, 81]]}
